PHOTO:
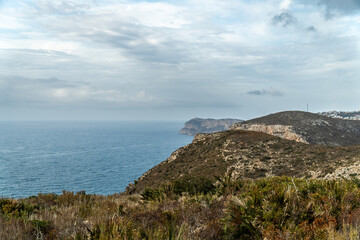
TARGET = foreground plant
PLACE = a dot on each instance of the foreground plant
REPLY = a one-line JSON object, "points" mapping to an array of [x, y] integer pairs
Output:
{"points": [[193, 208]]}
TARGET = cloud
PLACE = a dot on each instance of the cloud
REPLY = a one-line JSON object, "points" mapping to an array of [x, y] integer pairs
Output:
{"points": [[344, 6], [52, 91], [274, 93], [284, 19], [311, 29], [176, 55], [64, 7], [335, 7], [285, 4], [130, 29]]}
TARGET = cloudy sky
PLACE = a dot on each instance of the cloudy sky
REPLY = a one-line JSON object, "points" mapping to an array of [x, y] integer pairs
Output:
{"points": [[128, 60]]}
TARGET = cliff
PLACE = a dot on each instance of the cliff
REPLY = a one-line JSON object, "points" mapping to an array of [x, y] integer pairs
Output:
{"points": [[200, 125], [250, 155], [306, 128]]}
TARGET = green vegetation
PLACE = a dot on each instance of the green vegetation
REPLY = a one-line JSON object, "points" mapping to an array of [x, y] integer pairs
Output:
{"points": [[193, 208]]}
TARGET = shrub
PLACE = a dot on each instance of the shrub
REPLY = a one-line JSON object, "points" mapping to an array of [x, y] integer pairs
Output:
{"points": [[41, 227], [193, 185], [11, 208], [150, 194]]}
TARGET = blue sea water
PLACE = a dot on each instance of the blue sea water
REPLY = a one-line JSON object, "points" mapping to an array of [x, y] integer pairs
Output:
{"points": [[98, 157]]}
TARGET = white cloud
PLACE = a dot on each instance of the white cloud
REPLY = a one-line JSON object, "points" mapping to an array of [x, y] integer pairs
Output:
{"points": [[142, 96], [285, 4], [25, 91], [10, 23], [62, 6]]}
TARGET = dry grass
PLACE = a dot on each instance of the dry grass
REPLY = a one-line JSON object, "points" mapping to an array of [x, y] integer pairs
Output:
{"points": [[270, 208]]}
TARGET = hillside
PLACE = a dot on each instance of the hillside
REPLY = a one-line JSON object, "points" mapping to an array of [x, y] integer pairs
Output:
{"points": [[350, 115], [248, 154], [200, 125], [306, 127]]}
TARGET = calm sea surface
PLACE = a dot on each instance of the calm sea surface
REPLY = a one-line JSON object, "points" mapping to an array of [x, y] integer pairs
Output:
{"points": [[98, 157]]}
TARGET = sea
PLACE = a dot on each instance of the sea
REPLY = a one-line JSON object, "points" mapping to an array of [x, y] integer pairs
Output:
{"points": [[95, 157]]}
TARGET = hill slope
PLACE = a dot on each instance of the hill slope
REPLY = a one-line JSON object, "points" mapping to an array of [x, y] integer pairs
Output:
{"points": [[306, 127], [200, 125], [354, 115], [248, 154]]}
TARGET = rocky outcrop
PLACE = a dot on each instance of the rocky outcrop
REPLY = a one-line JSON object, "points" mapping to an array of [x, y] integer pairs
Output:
{"points": [[200, 125], [306, 127], [282, 131]]}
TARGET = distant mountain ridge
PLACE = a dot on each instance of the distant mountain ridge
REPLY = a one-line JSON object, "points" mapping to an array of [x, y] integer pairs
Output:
{"points": [[305, 127], [209, 125]]}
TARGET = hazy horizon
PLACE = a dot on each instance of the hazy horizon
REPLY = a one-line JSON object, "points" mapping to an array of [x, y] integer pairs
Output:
{"points": [[168, 60]]}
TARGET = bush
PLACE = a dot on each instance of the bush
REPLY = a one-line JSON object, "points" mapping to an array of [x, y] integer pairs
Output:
{"points": [[193, 185], [150, 194], [12, 208], [41, 226]]}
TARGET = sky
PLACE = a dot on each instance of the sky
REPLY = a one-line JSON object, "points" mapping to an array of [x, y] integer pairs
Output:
{"points": [[175, 60]]}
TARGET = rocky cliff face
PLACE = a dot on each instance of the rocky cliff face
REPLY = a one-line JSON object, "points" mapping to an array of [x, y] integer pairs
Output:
{"points": [[248, 154], [200, 125], [282, 131], [306, 127]]}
